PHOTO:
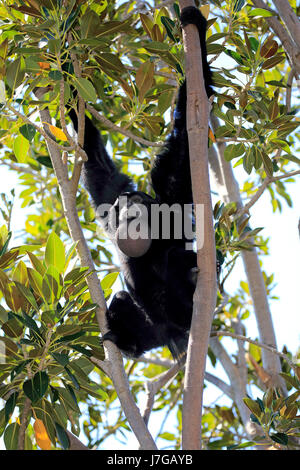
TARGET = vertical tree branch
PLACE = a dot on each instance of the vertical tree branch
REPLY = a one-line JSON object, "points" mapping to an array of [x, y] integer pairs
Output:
{"points": [[24, 423], [254, 274], [289, 18], [205, 293]]}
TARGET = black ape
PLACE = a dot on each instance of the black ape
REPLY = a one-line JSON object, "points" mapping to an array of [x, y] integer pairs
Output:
{"points": [[157, 308]]}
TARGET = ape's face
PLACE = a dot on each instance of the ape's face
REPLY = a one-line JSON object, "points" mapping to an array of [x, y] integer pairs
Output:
{"points": [[131, 213]]}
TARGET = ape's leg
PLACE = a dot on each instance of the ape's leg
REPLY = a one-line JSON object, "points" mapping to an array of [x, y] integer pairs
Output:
{"points": [[100, 176], [171, 178], [130, 328]]}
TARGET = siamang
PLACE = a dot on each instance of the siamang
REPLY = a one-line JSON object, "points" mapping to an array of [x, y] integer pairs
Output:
{"points": [[158, 271]]}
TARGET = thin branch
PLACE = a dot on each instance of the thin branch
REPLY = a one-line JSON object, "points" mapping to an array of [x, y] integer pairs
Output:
{"points": [[20, 169], [236, 139], [268, 180], [103, 365], [171, 77], [225, 388], [81, 123], [46, 349], [153, 386], [288, 95], [155, 360], [110, 125], [42, 130], [256, 343]]}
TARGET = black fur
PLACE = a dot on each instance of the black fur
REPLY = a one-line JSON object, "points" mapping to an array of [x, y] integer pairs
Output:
{"points": [[157, 308]]}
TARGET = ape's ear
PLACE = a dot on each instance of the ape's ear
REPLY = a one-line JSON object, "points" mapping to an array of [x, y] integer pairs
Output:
{"points": [[133, 247]]}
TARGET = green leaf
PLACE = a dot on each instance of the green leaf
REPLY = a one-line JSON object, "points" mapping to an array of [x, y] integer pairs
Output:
{"points": [[248, 162], [167, 435], [55, 252], [72, 393], [85, 89], [68, 338], [45, 161], [261, 12], [253, 406], [108, 61], [112, 27], [18, 369], [52, 284], [144, 78], [28, 131], [280, 438], [49, 318], [241, 446], [234, 55], [238, 5], [276, 59], [27, 321], [21, 148], [290, 380], [169, 25], [67, 398], [10, 405], [36, 387], [36, 281], [61, 358], [73, 378], [15, 73], [8, 348], [89, 24], [12, 328], [233, 151], [37, 264], [108, 281], [75, 276], [68, 330], [55, 75], [11, 436], [267, 162], [62, 436], [27, 294]]}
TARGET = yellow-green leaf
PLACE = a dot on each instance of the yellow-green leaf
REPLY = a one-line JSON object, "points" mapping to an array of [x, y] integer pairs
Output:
{"points": [[85, 89], [21, 148], [55, 252]]}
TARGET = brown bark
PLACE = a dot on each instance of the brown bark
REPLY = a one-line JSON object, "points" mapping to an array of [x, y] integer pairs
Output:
{"points": [[205, 294], [254, 274]]}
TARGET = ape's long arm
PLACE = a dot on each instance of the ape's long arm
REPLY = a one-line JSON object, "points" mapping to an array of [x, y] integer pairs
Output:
{"points": [[100, 176], [171, 178]]}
